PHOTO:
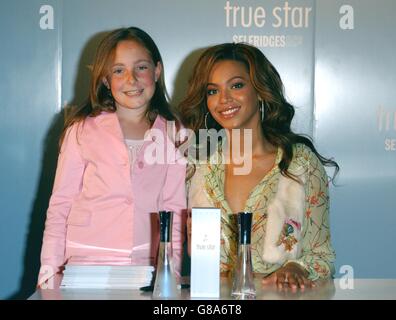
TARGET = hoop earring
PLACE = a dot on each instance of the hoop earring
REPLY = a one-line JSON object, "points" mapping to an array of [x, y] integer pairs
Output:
{"points": [[206, 120], [261, 107]]}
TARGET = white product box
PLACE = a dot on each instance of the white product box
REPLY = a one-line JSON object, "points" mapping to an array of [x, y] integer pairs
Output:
{"points": [[205, 253]]}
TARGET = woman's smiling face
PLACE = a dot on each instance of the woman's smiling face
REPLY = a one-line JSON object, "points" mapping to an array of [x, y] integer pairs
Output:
{"points": [[231, 98]]}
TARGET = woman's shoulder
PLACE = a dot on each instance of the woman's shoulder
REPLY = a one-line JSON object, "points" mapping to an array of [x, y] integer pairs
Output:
{"points": [[303, 156], [301, 150]]}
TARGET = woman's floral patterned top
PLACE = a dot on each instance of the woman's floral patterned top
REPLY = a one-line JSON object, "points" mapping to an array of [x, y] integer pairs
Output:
{"points": [[317, 254]]}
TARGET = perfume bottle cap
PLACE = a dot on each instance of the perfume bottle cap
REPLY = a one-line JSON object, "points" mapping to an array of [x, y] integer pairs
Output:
{"points": [[245, 225], [165, 219]]}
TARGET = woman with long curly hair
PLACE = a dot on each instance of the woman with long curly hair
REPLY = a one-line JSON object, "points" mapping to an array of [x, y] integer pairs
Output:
{"points": [[234, 87]]}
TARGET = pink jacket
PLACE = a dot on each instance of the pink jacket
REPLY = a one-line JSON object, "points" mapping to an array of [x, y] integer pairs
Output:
{"points": [[96, 205]]}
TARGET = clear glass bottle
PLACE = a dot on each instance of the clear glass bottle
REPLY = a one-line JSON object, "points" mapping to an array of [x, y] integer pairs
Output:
{"points": [[243, 282], [165, 285]]}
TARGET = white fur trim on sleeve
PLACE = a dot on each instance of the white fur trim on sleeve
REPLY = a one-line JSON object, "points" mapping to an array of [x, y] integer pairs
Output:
{"points": [[288, 203]]}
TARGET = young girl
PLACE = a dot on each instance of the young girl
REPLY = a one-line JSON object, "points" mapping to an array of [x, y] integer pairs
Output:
{"points": [[105, 189], [234, 87]]}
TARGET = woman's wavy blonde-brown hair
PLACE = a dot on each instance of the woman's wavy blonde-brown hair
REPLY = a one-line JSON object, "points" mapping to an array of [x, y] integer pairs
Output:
{"points": [[267, 82]]}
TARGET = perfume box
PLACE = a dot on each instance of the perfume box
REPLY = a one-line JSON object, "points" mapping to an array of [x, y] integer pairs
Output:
{"points": [[205, 253]]}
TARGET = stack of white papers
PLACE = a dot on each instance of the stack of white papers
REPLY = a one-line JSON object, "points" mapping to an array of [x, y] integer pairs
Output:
{"points": [[106, 277]]}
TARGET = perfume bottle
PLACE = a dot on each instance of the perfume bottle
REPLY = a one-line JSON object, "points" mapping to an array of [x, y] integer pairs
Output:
{"points": [[243, 283], [165, 285]]}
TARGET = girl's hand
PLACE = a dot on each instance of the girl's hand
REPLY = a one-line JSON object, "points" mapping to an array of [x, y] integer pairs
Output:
{"points": [[292, 275]]}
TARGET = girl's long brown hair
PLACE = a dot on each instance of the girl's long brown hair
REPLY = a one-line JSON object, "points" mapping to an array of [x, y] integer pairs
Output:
{"points": [[100, 98], [267, 82]]}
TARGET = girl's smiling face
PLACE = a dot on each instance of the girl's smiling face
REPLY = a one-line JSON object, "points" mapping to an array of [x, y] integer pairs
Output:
{"points": [[132, 76]]}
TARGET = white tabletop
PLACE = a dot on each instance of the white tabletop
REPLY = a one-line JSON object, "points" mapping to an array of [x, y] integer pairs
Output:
{"points": [[370, 289]]}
